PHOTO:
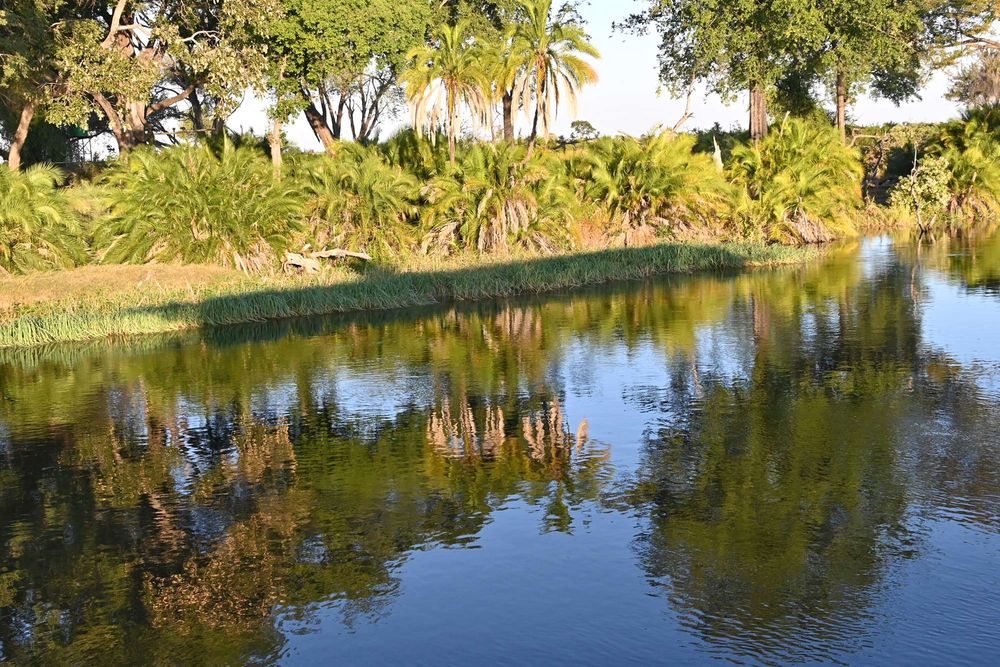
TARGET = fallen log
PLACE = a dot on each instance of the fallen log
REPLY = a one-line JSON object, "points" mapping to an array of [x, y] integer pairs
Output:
{"points": [[309, 262]]}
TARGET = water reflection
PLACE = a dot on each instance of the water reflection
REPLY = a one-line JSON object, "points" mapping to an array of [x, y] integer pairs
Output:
{"points": [[769, 451]]}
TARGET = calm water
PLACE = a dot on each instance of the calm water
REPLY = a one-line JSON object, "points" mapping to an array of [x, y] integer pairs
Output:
{"points": [[800, 466]]}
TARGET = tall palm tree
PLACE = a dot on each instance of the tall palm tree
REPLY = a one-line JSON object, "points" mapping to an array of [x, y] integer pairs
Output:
{"points": [[444, 77], [555, 71]]}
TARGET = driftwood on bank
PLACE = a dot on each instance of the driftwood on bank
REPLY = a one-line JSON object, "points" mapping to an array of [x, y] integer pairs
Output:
{"points": [[309, 262]]}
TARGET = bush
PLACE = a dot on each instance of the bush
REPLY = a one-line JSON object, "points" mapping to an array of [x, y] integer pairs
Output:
{"points": [[972, 152], [926, 192], [499, 197], [38, 227], [194, 205], [801, 184], [422, 157], [654, 186], [359, 202]]}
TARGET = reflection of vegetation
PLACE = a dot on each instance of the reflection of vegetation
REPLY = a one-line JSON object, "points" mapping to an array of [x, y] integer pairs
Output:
{"points": [[973, 260], [176, 498], [777, 497]]}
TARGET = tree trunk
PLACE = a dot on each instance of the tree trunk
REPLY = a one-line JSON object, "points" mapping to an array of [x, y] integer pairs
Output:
{"points": [[508, 117], [338, 120], [197, 115], [320, 129], [275, 142], [758, 112], [20, 135], [842, 105], [135, 120]]}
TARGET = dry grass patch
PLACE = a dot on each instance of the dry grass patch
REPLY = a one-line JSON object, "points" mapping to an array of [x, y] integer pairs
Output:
{"points": [[88, 282]]}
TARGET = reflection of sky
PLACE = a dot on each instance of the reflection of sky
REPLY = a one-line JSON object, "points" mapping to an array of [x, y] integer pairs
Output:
{"points": [[964, 326]]}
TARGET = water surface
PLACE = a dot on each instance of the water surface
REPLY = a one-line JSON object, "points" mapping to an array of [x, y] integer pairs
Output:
{"points": [[792, 466]]}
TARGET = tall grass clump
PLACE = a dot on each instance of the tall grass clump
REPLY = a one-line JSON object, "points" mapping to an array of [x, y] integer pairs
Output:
{"points": [[39, 229], [655, 186], [499, 197], [193, 204], [359, 202], [800, 184]]}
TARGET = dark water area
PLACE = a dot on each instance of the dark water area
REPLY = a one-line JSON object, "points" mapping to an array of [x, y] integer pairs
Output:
{"points": [[779, 467]]}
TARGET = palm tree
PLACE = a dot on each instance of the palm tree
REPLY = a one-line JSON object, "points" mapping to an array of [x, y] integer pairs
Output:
{"points": [[38, 227], [552, 49], [445, 76], [503, 71]]}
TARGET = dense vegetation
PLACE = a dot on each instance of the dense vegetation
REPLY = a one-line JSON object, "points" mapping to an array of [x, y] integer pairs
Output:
{"points": [[481, 171]]}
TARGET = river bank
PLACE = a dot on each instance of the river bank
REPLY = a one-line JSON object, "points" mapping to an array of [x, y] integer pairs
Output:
{"points": [[116, 301]]}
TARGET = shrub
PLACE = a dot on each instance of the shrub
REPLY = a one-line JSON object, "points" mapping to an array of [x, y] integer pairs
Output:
{"points": [[194, 205], [656, 184], [359, 202], [801, 184], [972, 152], [38, 227], [499, 197], [926, 191], [424, 158]]}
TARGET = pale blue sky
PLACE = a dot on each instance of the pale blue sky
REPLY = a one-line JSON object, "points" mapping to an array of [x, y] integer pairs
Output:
{"points": [[626, 100]]}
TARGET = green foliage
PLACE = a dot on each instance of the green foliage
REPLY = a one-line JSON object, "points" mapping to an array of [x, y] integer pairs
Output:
{"points": [[359, 202], [38, 227], [132, 63], [925, 191], [334, 50], [191, 204], [800, 184], [970, 150], [425, 158], [549, 48], [657, 181], [445, 77], [499, 197], [731, 45]]}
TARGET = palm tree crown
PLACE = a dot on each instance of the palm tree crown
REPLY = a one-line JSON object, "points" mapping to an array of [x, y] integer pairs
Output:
{"points": [[444, 77], [554, 70]]}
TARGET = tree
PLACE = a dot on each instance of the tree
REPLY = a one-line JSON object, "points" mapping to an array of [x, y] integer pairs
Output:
{"points": [[135, 61], [446, 76], [732, 45], [955, 26], [583, 131], [490, 21], [978, 84], [26, 66], [870, 42], [550, 46], [342, 59]]}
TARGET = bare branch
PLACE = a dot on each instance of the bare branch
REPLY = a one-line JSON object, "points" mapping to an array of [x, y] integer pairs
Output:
{"points": [[116, 20], [170, 101]]}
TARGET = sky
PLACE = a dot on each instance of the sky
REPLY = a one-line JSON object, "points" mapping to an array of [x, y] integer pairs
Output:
{"points": [[626, 100]]}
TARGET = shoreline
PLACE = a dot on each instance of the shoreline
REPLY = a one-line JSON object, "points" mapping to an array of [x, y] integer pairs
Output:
{"points": [[144, 309]]}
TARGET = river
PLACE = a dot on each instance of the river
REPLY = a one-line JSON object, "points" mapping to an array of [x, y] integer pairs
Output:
{"points": [[799, 465]]}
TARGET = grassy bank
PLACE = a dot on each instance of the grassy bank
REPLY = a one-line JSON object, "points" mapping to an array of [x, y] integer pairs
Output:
{"points": [[102, 302]]}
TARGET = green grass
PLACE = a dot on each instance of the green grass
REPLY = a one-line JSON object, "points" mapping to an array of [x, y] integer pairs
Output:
{"points": [[146, 310]]}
